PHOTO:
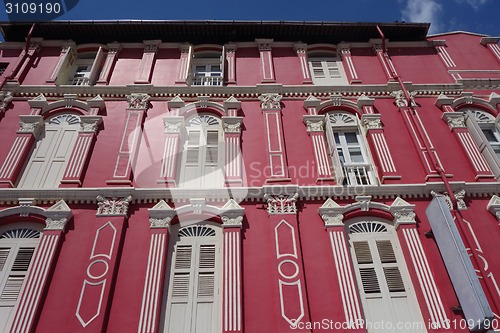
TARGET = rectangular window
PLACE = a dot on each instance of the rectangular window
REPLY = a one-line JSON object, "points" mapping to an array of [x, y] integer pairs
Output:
{"points": [[355, 166], [327, 71], [3, 67]]}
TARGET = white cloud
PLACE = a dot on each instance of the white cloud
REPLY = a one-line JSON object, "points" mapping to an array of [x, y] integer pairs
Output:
{"points": [[425, 11], [474, 3]]}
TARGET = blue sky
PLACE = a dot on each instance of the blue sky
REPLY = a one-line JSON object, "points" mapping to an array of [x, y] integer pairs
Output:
{"points": [[480, 16]]}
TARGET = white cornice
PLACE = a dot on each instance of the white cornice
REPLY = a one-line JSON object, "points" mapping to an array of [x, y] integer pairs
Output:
{"points": [[150, 195]]}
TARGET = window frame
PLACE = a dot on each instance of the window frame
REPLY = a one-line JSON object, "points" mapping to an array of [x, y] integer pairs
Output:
{"points": [[14, 245], [194, 271], [326, 78], [348, 173], [203, 147], [208, 60], [477, 127], [55, 142], [389, 299]]}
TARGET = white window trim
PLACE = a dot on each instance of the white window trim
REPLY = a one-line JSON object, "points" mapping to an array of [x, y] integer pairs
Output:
{"points": [[93, 61], [30, 178], [175, 241], [385, 294], [348, 173], [326, 78], [476, 127], [204, 180], [15, 244], [208, 79]]}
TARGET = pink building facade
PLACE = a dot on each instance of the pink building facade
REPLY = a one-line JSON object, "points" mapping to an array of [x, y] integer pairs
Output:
{"points": [[248, 177]]}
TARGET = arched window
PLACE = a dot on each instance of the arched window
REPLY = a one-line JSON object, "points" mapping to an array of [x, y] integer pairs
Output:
{"points": [[347, 147], [193, 300], [207, 69], [485, 131], [326, 69], [385, 287], [17, 245], [45, 167], [203, 157]]}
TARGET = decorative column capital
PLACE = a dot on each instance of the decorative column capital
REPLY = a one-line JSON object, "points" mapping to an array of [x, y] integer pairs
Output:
{"points": [[403, 212], [5, 99], [173, 124], [230, 48], [311, 101], [332, 213], [185, 48], [270, 101], [371, 121], [314, 123], [114, 48], [400, 98], [161, 215], [300, 48], [459, 196], [90, 124], [454, 119], [264, 44], [58, 216], [138, 101], [30, 124], [112, 206], [232, 124], [151, 46], [281, 204], [232, 214], [494, 206], [364, 100], [488, 40], [494, 99]]}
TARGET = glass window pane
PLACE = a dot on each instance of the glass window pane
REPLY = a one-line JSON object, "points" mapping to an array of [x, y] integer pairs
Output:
{"points": [[351, 138], [212, 154], [337, 139], [212, 138], [194, 138], [490, 136], [192, 156]]}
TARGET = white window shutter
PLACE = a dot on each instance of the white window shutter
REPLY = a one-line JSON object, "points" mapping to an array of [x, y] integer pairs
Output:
{"points": [[332, 149], [484, 147], [4, 254], [96, 65], [17, 274], [66, 67]]}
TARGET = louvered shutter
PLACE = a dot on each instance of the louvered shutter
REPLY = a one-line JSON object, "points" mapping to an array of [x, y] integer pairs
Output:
{"points": [[482, 142], [223, 65], [332, 149], [61, 77], [17, 274], [96, 65], [182, 272], [206, 272], [4, 254]]}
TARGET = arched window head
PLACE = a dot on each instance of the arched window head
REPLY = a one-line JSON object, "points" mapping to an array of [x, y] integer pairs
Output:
{"points": [[326, 69], [384, 283], [202, 160], [192, 300], [18, 242], [47, 163], [350, 158], [207, 69]]}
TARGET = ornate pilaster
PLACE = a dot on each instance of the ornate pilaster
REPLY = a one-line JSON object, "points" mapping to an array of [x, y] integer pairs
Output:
{"points": [[316, 128], [30, 128], [99, 276], [230, 50], [60, 73], [281, 204], [459, 197], [160, 217], [109, 63], [332, 215], [232, 216], [138, 104], [173, 129], [458, 126], [494, 207], [266, 60], [37, 281], [184, 63], [345, 53], [148, 58], [232, 142], [5, 99], [271, 106], [492, 44], [80, 156], [301, 50], [29, 57], [403, 212]]}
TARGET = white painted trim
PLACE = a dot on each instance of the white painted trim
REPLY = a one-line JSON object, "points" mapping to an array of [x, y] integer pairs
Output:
{"points": [[86, 282], [445, 56], [291, 321], [426, 280], [96, 237], [472, 150], [294, 242], [13, 156]]}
